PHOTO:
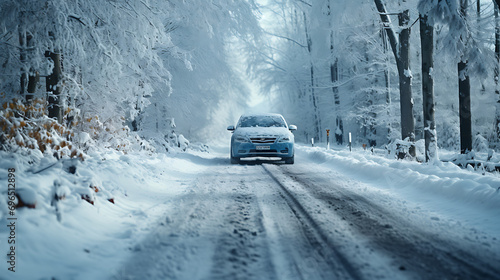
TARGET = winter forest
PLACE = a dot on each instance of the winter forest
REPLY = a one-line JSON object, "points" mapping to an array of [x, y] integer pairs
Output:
{"points": [[138, 74], [117, 154], [388, 70]]}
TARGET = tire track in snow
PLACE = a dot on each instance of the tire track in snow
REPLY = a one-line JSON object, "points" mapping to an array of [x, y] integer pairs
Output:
{"points": [[339, 265], [176, 243], [241, 251], [213, 231], [421, 254]]}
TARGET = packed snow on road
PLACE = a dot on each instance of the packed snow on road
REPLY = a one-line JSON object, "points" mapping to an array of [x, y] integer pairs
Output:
{"points": [[332, 215]]}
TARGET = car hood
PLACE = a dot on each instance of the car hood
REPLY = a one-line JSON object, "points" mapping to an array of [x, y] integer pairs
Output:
{"points": [[262, 131]]}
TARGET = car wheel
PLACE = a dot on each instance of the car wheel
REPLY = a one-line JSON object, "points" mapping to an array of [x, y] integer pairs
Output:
{"points": [[234, 160], [290, 160]]}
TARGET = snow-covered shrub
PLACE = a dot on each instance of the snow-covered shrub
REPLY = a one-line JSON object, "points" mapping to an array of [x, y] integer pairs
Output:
{"points": [[27, 127], [449, 136], [420, 150], [182, 142], [400, 149], [480, 144], [21, 132], [168, 142], [109, 134]]}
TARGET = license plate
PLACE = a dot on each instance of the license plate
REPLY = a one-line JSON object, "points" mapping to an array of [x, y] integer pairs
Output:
{"points": [[262, 148]]}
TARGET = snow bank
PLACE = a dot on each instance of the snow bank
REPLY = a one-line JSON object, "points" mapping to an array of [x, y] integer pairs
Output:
{"points": [[441, 179], [88, 215]]}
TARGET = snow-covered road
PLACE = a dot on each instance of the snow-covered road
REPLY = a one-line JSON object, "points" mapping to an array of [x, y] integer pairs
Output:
{"points": [[304, 221], [334, 214]]}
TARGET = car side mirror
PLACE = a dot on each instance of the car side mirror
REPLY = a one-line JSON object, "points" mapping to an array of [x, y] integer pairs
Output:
{"points": [[230, 128], [292, 127]]}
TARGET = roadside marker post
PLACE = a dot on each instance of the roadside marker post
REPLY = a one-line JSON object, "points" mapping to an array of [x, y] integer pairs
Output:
{"points": [[328, 139], [312, 142], [350, 143]]}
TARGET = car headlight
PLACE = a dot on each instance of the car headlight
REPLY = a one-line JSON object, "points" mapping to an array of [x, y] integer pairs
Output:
{"points": [[284, 139], [241, 139]]}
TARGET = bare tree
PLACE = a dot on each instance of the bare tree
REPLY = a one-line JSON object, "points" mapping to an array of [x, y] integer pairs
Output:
{"points": [[497, 70], [29, 76], [334, 77], [401, 50], [427, 48], [317, 122], [54, 88], [407, 121], [464, 96]]}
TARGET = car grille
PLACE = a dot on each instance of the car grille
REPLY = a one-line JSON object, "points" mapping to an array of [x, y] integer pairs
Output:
{"points": [[263, 140], [253, 151]]}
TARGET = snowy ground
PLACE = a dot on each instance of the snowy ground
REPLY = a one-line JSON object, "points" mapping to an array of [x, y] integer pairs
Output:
{"points": [[332, 215]]}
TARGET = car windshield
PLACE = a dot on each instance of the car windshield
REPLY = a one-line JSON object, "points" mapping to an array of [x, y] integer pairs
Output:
{"points": [[261, 121]]}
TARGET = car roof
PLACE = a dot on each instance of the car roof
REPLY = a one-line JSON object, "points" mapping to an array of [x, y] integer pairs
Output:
{"points": [[261, 115]]}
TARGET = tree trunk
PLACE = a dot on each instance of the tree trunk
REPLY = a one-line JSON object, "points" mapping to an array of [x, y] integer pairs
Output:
{"points": [[33, 76], [497, 71], [32, 82], [22, 56], [464, 98], [371, 118], [497, 49], [317, 125], [402, 55], [339, 129], [427, 46], [406, 101], [52, 87], [479, 28], [390, 32], [334, 75], [29, 78], [464, 108], [334, 78], [387, 79]]}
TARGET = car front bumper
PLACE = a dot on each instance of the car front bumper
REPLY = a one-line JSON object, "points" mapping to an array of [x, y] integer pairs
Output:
{"points": [[283, 150]]}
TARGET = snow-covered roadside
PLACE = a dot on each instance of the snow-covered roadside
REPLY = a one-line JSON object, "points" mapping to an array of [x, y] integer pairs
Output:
{"points": [[443, 189], [72, 239]]}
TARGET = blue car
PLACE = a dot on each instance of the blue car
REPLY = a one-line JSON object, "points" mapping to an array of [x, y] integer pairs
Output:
{"points": [[262, 135]]}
